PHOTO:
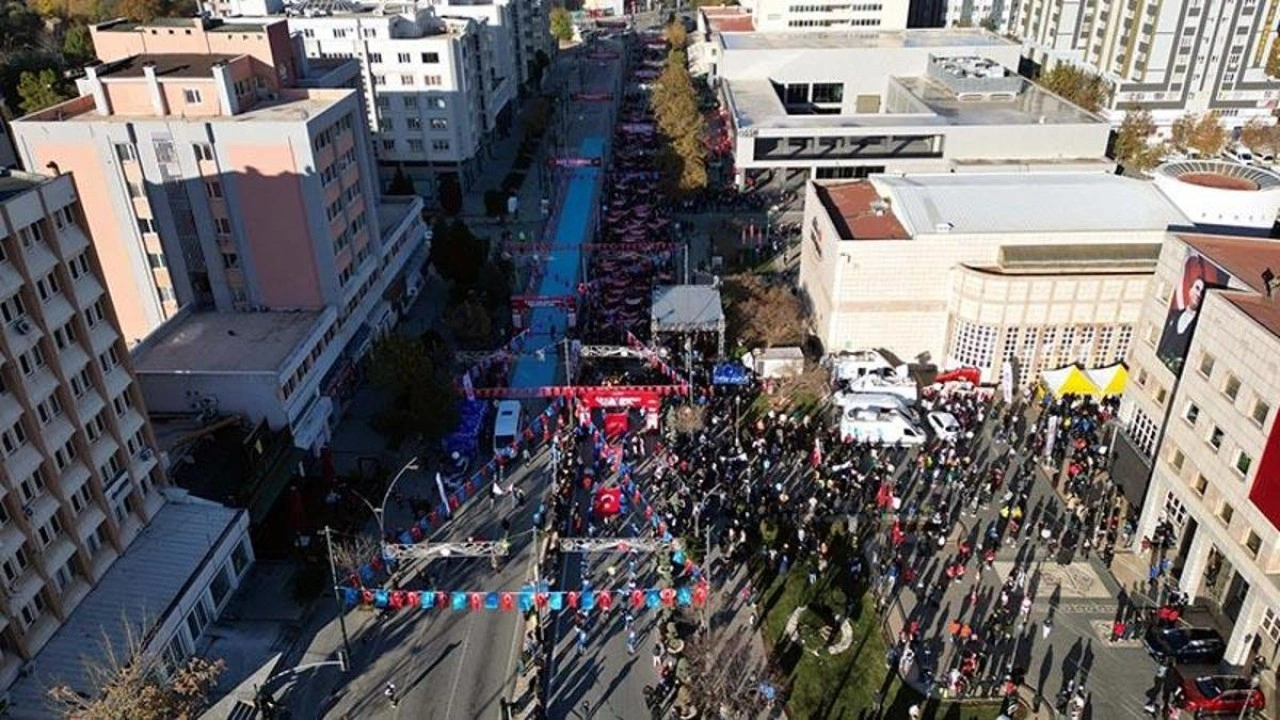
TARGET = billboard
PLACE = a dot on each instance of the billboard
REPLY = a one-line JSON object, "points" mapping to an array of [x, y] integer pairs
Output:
{"points": [[1265, 492], [1199, 274]]}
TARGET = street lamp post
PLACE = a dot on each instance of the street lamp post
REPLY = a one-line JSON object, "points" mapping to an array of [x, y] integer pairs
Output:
{"points": [[379, 512], [1254, 681]]}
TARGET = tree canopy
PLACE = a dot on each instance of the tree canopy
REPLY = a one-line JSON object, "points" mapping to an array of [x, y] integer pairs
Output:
{"points": [[1203, 133], [561, 24], [420, 381], [20, 27], [457, 253], [38, 90], [674, 100], [1076, 85], [1133, 146], [763, 314], [1261, 135]]}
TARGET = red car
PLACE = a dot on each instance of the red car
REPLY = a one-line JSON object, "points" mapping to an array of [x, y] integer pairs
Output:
{"points": [[1214, 695]]}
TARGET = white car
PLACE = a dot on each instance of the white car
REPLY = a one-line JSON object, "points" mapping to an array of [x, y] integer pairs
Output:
{"points": [[944, 424]]}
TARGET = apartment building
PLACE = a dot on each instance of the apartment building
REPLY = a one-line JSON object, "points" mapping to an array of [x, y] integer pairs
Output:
{"points": [[436, 89], [1167, 57], [79, 477], [792, 15], [216, 185], [1199, 413], [827, 105], [989, 270]]}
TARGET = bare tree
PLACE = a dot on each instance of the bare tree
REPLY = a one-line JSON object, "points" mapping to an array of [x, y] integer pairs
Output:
{"points": [[688, 419], [805, 387], [763, 314], [349, 553], [129, 682]]}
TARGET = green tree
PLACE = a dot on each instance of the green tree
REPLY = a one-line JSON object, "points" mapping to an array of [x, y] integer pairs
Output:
{"points": [[420, 383], [450, 193], [561, 25], [20, 27], [1204, 134], [140, 10], [40, 90], [401, 184], [470, 323], [674, 100], [77, 44], [1077, 86], [1133, 147], [676, 35], [457, 253]]}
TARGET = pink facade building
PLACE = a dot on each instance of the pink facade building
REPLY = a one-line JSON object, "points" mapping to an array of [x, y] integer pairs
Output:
{"points": [[222, 174]]}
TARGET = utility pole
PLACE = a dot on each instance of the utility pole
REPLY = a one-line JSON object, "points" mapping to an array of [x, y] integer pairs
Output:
{"points": [[337, 598]]}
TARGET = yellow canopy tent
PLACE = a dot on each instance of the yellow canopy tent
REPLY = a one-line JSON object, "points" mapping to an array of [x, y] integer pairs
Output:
{"points": [[1069, 380], [1109, 380]]}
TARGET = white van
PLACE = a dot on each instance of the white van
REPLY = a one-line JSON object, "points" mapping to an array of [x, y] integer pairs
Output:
{"points": [[885, 402], [876, 426], [1238, 153], [507, 426]]}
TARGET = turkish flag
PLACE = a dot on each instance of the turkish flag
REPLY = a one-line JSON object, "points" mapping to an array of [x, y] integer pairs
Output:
{"points": [[608, 501], [616, 423]]}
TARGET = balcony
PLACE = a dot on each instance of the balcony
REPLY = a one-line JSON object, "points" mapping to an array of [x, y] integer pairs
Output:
{"points": [[88, 521], [101, 337], [89, 404], [58, 431], [143, 463], [117, 381], [21, 334], [23, 589], [87, 290], [23, 462], [10, 280], [57, 311], [41, 383], [58, 552], [39, 511], [10, 410], [11, 538], [73, 478], [72, 358], [102, 450], [131, 422], [71, 240], [40, 260]]}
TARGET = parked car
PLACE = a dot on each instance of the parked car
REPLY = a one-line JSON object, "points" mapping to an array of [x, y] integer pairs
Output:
{"points": [[944, 424], [1212, 695], [1185, 646], [1239, 154]]}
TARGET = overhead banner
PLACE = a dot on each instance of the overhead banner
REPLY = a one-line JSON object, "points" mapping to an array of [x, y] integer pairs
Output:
{"points": [[574, 162], [591, 97], [525, 600], [602, 55], [637, 128], [524, 302]]}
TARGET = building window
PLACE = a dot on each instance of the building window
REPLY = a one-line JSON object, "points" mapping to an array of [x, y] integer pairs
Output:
{"points": [[220, 588], [414, 123], [415, 145], [126, 152], [1143, 431], [1271, 625], [13, 308], [1253, 543], [829, 93], [78, 265], [432, 80], [1207, 362], [407, 80], [1192, 413], [440, 145], [1225, 513], [1216, 436], [146, 226], [222, 225], [213, 188], [1260, 412], [49, 531], [191, 96], [240, 558], [230, 261], [31, 488], [1231, 388], [32, 611], [409, 101], [436, 103], [47, 287], [404, 58], [1178, 460], [202, 151], [1243, 463], [379, 80], [15, 565], [1200, 485], [388, 144], [375, 57], [31, 360], [430, 57]]}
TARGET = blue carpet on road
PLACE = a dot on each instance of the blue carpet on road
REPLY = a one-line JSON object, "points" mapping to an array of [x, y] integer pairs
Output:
{"points": [[573, 228]]}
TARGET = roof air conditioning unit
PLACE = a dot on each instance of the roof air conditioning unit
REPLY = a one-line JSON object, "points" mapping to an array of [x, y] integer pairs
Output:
{"points": [[21, 326]]}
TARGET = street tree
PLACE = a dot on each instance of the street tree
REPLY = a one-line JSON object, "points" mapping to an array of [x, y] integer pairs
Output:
{"points": [[1133, 146], [1076, 85], [762, 314], [128, 682], [77, 44], [688, 418], [805, 387], [676, 35], [1261, 135], [401, 184], [561, 24], [450, 194], [1202, 133], [20, 27], [470, 323], [40, 89], [349, 552], [139, 10], [457, 253], [421, 387]]}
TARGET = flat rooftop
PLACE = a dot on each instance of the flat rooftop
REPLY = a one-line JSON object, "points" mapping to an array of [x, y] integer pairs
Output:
{"points": [[291, 105], [857, 211], [14, 183], [731, 23], [757, 104], [137, 590], [214, 342], [1027, 202], [392, 212], [874, 39], [182, 65]]}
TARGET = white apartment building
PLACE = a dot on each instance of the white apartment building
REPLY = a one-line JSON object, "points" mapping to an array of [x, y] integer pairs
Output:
{"points": [[993, 15], [1168, 57], [1037, 270], [1200, 414], [436, 89], [79, 476], [792, 15], [852, 104]]}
